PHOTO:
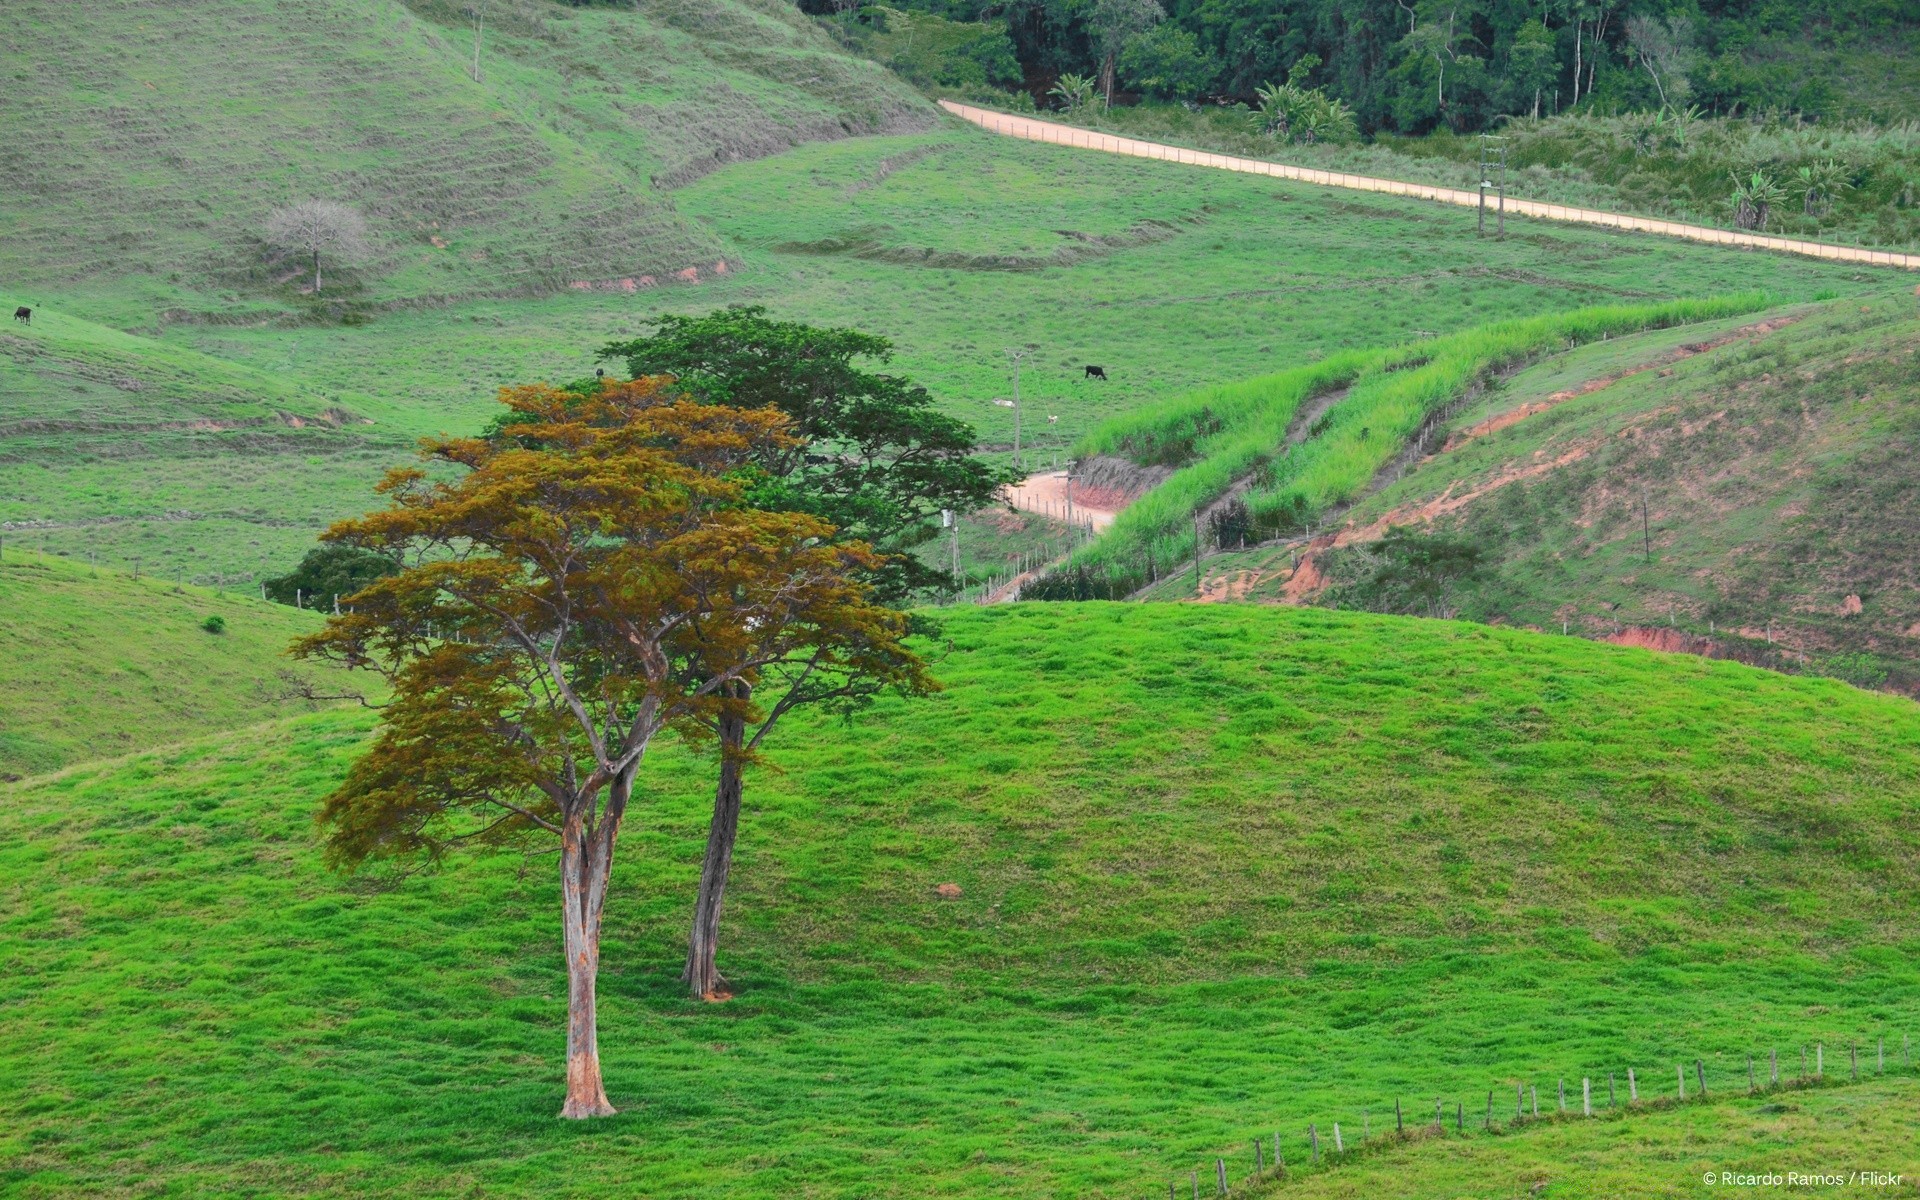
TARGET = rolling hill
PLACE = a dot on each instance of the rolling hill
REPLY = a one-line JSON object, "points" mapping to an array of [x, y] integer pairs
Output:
{"points": [[1224, 870], [146, 144], [1774, 460], [96, 664]]}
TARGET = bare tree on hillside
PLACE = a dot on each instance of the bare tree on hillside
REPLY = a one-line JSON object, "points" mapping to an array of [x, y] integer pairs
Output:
{"points": [[1665, 49], [314, 227]]}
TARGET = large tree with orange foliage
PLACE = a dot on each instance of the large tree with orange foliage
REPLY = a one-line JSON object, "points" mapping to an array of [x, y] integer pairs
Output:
{"points": [[564, 598]]}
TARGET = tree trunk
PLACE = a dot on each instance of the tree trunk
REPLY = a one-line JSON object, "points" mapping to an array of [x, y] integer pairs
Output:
{"points": [[316, 272], [584, 865], [702, 975], [1577, 26], [1106, 79]]}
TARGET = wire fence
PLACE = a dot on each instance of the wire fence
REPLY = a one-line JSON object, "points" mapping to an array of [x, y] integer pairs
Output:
{"points": [[1618, 1093]]}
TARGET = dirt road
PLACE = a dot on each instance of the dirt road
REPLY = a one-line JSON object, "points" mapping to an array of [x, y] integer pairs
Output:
{"points": [[1035, 130], [1046, 494]]}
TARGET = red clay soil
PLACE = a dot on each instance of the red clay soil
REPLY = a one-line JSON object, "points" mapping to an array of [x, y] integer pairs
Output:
{"points": [[1514, 416], [1308, 578]]}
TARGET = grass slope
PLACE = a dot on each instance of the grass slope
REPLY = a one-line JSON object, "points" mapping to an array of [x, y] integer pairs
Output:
{"points": [[144, 454], [1225, 870], [148, 142], [97, 664], [1779, 475], [950, 243]]}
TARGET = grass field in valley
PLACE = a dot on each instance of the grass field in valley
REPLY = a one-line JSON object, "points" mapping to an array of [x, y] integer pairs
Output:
{"points": [[1168, 277], [1225, 870], [94, 664]]}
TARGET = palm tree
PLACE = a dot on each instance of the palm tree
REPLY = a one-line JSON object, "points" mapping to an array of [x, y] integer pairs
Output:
{"points": [[1072, 91]]}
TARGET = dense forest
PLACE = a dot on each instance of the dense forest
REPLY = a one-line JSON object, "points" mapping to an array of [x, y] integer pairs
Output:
{"points": [[1418, 66]]}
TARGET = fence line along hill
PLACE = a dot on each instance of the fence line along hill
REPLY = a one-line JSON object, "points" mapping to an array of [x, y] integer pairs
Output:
{"points": [[1035, 130]]}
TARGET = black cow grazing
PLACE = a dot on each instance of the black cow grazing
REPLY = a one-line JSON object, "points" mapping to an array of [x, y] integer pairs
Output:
{"points": [[1096, 372], [23, 314]]}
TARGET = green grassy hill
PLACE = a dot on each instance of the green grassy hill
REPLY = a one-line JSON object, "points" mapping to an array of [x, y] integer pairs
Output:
{"points": [[956, 245], [140, 453], [1776, 461], [95, 664], [146, 144], [1225, 871]]}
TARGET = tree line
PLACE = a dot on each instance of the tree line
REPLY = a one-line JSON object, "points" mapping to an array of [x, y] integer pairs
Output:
{"points": [[1413, 66], [695, 550]]}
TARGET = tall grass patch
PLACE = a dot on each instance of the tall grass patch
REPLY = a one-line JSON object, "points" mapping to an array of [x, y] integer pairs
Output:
{"points": [[1235, 436]]}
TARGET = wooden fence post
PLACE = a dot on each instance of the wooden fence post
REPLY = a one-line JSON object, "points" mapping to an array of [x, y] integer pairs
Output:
{"points": [[1633, 1088], [1819, 1060], [1259, 1168], [1563, 1095], [1399, 1122], [1489, 1122], [1535, 1093], [1700, 1073], [1339, 1143], [1439, 1119], [1853, 1051], [1519, 1101], [1279, 1164], [1220, 1173], [1586, 1095], [1313, 1139]]}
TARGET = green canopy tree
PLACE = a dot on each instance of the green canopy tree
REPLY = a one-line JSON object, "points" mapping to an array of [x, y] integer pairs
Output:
{"points": [[872, 456], [566, 599]]}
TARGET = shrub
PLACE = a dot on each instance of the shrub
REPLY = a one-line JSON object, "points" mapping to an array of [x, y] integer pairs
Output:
{"points": [[214, 624]]}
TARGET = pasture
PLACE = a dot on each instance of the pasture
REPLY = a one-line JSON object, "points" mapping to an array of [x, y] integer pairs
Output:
{"points": [[1180, 926]]}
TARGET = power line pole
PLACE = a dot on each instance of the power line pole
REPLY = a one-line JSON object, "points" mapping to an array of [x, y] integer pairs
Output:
{"points": [[1017, 354], [479, 19], [1493, 174]]}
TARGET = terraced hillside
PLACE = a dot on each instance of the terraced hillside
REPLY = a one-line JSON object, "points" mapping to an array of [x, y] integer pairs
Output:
{"points": [[95, 664], [145, 144], [1223, 870], [1745, 489]]}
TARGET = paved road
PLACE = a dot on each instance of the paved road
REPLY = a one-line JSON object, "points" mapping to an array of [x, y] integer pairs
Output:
{"points": [[1035, 130]]}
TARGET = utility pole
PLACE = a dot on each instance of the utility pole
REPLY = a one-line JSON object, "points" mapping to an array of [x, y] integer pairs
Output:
{"points": [[1493, 174], [953, 528], [1016, 355], [479, 19], [1198, 546]]}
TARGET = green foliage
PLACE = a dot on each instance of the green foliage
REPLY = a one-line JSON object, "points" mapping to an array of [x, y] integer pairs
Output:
{"points": [[1073, 91], [933, 50], [1407, 68], [1414, 572], [1166, 63], [1328, 835], [1292, 113], [879, 461], [329, 573], [214, 624], [1754, 200]]}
